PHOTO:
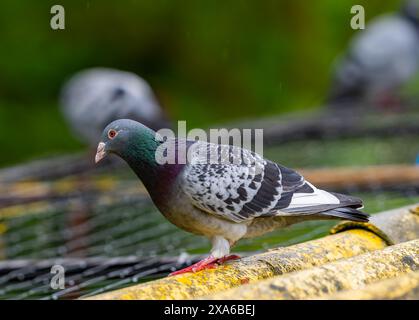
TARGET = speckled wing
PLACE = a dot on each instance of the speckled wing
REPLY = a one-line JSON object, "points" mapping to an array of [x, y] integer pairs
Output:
{"points": [[237, 184]]}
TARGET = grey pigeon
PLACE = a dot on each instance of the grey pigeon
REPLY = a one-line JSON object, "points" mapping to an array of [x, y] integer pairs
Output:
{"points": [[94, 97], [222, 192], [379, 60]]}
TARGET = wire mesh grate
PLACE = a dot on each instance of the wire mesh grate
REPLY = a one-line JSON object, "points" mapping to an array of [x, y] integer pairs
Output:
{"points": [[107, 234]]}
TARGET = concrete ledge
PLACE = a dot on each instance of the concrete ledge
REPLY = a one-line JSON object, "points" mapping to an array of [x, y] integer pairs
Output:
{"points": [[352, 273], [405, 287]]}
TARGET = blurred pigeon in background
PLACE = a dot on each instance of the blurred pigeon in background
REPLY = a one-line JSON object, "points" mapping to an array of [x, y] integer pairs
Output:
{"points": [[379, 60], [94, 97]]}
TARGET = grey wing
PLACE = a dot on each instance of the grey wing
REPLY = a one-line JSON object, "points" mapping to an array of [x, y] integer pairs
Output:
{"points": [[240, 191]]}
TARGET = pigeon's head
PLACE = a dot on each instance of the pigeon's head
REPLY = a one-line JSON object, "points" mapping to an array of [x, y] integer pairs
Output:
{"points": [[124, 137]]}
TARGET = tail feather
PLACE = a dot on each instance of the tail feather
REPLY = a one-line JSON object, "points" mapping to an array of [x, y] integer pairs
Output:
{"points": [[324, 205], [347, 213], [348, 201]]}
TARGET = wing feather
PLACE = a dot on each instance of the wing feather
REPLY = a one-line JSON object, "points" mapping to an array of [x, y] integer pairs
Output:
{"points": [[246, 187], [242, 190]]}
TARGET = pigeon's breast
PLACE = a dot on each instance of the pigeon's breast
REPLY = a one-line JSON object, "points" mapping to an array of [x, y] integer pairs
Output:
{"points": [[178, 209]]}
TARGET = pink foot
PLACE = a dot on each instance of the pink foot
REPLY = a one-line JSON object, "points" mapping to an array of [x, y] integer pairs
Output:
{"points": [[208, 263]]}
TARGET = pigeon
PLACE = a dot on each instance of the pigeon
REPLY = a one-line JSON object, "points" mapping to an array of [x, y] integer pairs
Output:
{"points": [[232, 194], [94, 97], [380, 59]]}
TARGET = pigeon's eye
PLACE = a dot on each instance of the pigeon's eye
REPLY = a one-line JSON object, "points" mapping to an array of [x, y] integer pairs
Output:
{"points": [[112, 134]]}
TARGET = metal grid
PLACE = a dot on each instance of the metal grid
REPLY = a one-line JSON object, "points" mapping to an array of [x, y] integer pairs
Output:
{"points": [[85, 226]]}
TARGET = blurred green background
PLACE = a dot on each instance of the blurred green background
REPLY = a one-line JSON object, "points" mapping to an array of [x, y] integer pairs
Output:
{"points": [[208, 61]]}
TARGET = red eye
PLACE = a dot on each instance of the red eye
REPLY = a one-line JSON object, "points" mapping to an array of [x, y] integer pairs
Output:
{"points": [[112, 134]]}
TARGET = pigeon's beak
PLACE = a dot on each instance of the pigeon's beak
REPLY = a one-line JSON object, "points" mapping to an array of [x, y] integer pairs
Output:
{"points": [[100, 153]]}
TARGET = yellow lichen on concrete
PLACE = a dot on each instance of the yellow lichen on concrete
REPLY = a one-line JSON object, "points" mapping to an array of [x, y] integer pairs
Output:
{"points": [[254, 268], [403, 288], [352, 273], [394, 226]]}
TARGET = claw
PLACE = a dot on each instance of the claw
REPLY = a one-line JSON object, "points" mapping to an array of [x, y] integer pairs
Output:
{"points": [[208, 263]]}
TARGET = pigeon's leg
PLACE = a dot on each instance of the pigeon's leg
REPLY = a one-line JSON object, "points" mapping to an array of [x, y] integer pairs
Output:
{"points": [[219, 254]]}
